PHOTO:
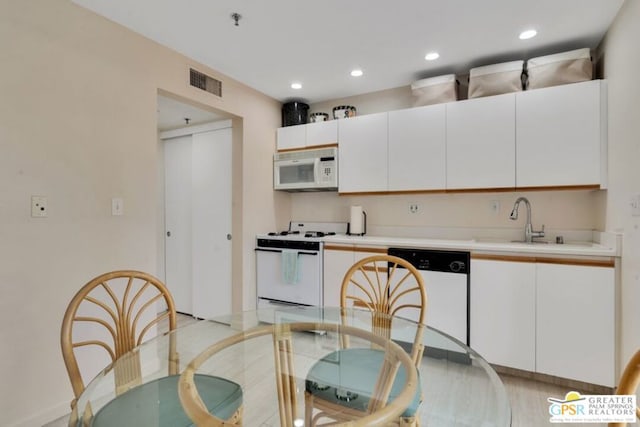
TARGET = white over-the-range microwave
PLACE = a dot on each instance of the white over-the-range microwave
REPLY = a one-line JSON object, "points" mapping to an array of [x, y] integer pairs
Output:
{"points": [[306, 170]]}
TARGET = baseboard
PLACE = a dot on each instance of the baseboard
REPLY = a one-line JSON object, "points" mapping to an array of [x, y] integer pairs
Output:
{"points": [[44, 417], [550, 379]]}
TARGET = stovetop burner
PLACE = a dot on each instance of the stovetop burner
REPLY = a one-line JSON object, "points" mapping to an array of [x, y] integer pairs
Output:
{"points": [[319, 233], [299, 230], [306, 234], [284, 233]]}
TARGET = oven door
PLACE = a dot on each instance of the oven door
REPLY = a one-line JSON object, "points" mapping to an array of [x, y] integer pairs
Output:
{"points": [[307, 289]]}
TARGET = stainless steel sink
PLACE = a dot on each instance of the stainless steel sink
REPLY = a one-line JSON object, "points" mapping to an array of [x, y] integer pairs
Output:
{"points": [[505, 241]]}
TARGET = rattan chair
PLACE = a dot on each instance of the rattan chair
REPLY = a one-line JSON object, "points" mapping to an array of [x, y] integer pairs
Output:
{"points": [[121, 308], [629, 382], [386, 286]]}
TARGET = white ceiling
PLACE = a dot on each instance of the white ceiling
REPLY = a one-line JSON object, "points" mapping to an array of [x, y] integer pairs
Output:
{"points": [[319, 42], [172, 114]]}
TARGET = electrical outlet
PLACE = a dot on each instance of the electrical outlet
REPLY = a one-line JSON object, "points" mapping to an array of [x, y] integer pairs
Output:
{"points": [[38, 206], [413, 208]]}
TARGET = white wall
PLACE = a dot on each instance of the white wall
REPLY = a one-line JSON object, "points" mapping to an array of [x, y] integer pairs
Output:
{"points": [[621, 65], [78, 125]]}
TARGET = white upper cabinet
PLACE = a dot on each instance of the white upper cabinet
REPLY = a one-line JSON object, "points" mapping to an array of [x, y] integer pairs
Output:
{"points": [[561, 135], [551, 137], [307, 136], [363, 153], [481, 143], [291, 137], [322, 133], [417, 148]]}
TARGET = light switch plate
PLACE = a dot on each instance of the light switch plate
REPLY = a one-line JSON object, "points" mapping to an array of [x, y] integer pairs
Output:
{"points": [[117, 206], [635, 205]]}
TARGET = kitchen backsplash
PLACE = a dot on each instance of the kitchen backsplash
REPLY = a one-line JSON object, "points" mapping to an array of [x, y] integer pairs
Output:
{"points": [[443, 213]]}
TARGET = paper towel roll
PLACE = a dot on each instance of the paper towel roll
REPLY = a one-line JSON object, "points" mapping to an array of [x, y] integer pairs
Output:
{"points": [[356, 225]]}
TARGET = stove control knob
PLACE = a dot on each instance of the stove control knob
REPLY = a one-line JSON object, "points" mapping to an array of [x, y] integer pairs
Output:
{"points": [[457, 266]]}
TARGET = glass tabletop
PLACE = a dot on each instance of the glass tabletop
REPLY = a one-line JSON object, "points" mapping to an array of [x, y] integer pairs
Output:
{"points": [[457, 387]]}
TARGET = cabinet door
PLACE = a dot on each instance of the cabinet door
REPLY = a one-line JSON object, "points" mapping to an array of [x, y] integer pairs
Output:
{"points": [[481, 143], [336, 264], [291, 137], [576, 322], [322, 133], [363, 153], [559, 135], [502, 310], [417, 153], [337, 261]]}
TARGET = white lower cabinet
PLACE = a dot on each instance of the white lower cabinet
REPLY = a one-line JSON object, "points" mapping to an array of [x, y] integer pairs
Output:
{"points": [[337, 261], [503, 312], [575, 323], [552, 318]]}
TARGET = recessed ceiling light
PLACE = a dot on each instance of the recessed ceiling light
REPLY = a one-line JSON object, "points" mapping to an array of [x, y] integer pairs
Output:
{"points": [[296, 85], [528, 34], [356, 73], [431, 56]]}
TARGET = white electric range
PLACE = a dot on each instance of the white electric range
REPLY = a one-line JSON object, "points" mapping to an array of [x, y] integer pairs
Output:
{"points": [[289, 263]]}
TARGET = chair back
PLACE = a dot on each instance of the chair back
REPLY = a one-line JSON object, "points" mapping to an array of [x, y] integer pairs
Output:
{"points": [[629, 382], [387, 286], [122, 307]]}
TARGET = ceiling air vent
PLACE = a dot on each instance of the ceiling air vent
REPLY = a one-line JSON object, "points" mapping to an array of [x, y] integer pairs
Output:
{"points": [[204, 82]]}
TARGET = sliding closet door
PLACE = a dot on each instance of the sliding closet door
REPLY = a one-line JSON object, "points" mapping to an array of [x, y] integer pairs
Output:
{"points": [[198, 222], [178, 200], [211, 218]]}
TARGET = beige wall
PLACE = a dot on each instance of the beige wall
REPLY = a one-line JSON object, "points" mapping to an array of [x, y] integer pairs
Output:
{"points": [[374, 102], [558, 210], [621, 65], [78, 125]]}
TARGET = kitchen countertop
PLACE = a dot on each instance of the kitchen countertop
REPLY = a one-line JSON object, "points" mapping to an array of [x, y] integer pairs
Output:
{"points": [[482, 245]]}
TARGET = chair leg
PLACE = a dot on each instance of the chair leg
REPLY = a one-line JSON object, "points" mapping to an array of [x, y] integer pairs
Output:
{"points": [[308, 409], [409, 422]]}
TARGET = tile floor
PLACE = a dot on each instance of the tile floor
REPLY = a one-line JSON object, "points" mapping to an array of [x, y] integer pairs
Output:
{"points": [[528, 403], [528, 398]]}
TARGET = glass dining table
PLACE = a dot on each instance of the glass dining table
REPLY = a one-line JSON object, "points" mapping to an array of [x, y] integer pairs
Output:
{"points": [[271, 354]]}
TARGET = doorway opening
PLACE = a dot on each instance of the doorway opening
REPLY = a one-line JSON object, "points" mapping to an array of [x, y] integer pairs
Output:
{"points": [[195, 188]]}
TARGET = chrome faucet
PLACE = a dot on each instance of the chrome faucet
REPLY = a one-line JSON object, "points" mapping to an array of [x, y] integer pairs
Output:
{"points": [[529, 234]]}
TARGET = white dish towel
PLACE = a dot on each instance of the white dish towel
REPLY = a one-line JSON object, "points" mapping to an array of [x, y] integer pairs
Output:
{"points": [[290, 270]]}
